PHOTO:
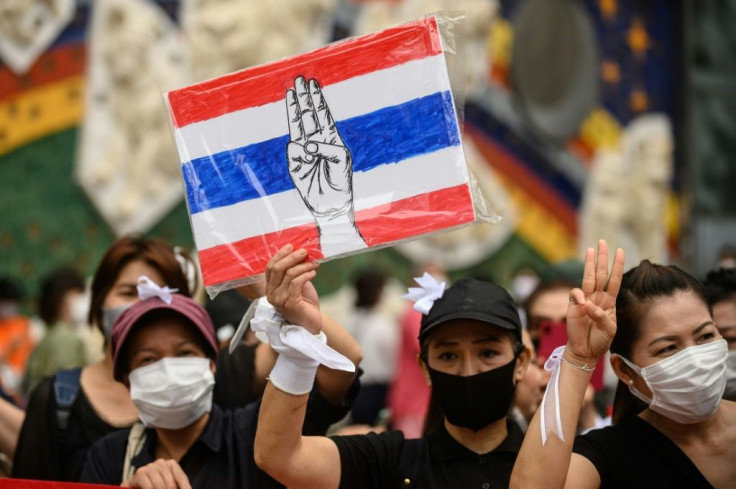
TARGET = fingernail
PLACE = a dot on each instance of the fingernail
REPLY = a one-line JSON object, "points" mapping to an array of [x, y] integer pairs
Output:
{"points": [[302, 251], [288, 247], [315, 85], [310, 147]]}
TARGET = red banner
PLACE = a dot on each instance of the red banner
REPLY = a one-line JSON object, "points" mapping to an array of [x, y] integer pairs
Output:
{"points": [[28, 484]]}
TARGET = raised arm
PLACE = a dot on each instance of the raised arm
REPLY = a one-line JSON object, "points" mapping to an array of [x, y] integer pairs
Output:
{"points": [[591, 325], [280, 449], [331, 384]]}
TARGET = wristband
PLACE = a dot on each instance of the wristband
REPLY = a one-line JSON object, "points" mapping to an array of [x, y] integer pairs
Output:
{"points": [[300, 352], [550, 420], [585, 366], [294, 372]]}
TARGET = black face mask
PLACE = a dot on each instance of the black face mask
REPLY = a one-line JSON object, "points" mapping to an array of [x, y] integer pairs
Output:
{"points": [[475, 401]]}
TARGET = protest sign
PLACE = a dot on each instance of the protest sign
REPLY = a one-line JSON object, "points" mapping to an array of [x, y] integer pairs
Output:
{"points": [[352, 146]]}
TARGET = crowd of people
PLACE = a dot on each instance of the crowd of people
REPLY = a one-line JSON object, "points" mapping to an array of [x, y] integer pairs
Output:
{"points": [[603, 378]]}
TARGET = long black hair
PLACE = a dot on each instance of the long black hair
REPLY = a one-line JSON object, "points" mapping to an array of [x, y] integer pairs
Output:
{"points": [[640, 287]]}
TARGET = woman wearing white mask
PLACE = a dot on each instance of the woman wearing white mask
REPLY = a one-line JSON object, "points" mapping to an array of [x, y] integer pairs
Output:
{"points": [[671, 427], [165, 351], [70, 411]]}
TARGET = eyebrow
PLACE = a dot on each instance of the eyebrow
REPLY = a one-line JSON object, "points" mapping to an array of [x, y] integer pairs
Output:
{"points": [[178, 345], [479, 340], [495, 339], [674, 338], [141, 350]]}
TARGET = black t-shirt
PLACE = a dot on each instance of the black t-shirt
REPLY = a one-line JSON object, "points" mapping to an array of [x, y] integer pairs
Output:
{"points": [[375, 461], [222, 456], [234, 377], [40, 453], [634, 454]]}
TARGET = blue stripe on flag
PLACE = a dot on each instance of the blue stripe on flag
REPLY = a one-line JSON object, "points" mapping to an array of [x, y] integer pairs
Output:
{"points": [[388, 135]]}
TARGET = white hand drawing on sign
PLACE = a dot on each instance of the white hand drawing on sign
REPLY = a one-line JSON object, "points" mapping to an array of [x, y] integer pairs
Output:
{"points": [[321, 167]]}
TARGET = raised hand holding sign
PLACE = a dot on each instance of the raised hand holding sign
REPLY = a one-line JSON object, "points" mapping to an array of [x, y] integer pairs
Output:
{"points": [[321, 167]]}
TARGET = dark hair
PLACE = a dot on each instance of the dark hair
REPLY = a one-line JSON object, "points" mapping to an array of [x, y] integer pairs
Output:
{"points": [[640, 287], [368, 286], [721, 285], [10, 289], [54, 288], [154, 252]]}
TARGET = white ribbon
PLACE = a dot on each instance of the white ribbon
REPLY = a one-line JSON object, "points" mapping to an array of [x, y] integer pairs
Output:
{"points": [[147, 289], [243, 326], [550, 421], [270, 327], [424, 296]]}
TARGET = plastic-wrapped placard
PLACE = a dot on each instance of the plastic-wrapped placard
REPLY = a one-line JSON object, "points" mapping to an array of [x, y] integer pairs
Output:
{"points": [[340, 150]]}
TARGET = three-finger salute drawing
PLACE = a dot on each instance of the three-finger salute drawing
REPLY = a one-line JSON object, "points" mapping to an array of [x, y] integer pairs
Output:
{"points": [[321, 167]]}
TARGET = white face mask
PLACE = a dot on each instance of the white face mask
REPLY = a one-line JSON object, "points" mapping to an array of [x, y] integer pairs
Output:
{"points": [[730, 393], [78, 309], [686, 387], [173, 392]]}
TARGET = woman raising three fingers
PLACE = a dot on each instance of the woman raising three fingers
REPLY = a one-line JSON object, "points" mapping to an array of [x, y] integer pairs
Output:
{"points": [[671, 427]]}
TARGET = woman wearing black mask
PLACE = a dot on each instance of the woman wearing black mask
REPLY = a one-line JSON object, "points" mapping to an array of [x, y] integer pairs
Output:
{"points": [[472, 356]]}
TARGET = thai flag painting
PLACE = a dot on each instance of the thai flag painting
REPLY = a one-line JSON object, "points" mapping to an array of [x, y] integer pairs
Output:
{"points": [[352, 146]]}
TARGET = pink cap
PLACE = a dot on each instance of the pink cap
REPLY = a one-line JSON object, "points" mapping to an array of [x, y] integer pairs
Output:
{"points": [[180, 304]]}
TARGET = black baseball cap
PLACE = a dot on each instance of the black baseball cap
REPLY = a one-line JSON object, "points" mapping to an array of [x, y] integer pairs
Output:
{"points": [[470, 298]]}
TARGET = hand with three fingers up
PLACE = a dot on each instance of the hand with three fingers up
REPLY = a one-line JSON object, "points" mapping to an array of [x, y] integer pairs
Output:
{"points": [[591, 314]]}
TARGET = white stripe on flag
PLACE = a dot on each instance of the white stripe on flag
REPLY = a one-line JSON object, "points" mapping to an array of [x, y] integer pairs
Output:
{"points": [[349, 98], [384, 184]]}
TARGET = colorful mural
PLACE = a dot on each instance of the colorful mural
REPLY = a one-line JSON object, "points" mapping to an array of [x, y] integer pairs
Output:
{"points": [[51, 221]]}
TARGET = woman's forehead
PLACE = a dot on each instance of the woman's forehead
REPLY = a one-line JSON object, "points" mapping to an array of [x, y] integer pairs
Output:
{"points": [[168, 329], [134, 269], [677, 315], [462, 330]]}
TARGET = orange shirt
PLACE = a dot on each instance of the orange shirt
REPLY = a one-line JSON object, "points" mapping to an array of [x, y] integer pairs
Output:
{"points": [[15, 342]]}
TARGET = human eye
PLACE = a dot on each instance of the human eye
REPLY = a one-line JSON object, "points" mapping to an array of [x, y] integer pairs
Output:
{"points": [[145, 360], [447, 356], [127, 291], [187, 352], [488, 353], [667, 349], [705, 337]]}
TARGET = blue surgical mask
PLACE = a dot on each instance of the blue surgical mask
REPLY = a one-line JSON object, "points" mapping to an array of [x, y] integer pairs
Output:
{"points": [[109, 316]]}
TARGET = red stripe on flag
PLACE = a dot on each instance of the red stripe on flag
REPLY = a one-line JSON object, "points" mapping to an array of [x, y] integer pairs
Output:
{"points": [[398, 220], [250, 256], [333, 63], [416, 215]]}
